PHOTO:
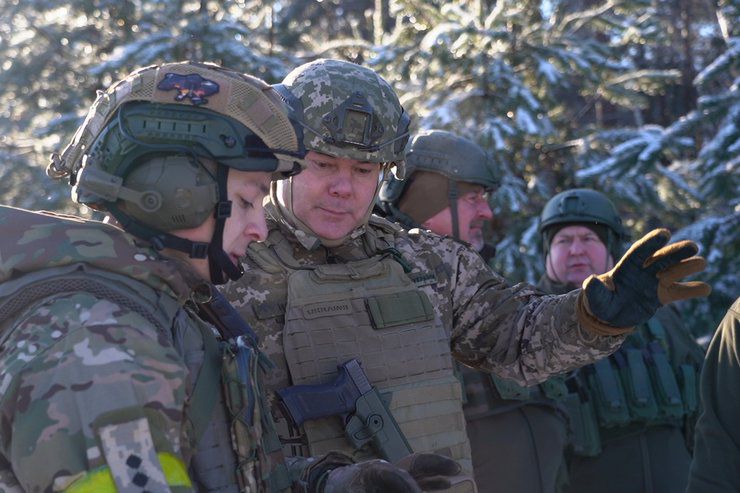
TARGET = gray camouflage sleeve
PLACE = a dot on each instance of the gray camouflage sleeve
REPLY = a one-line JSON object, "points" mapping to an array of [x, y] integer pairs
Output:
{"points": [[516, 332], [92, 396]]}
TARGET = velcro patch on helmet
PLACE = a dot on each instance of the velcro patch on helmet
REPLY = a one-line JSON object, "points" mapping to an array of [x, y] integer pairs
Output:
{"points": [[189, 86]]}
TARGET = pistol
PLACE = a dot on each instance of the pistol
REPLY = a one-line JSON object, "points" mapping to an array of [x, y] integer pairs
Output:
{"points": [[350, 396]]}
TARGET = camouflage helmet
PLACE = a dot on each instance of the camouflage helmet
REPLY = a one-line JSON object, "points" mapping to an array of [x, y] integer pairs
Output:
{"points": [[583, 206], [155, 148], [349, 111]]}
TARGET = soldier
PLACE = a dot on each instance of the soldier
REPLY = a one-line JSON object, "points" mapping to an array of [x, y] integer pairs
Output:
{"points": [[716, 463], [447, 180], [445, 190], [631, 414], [332, 283], [121, 368]]}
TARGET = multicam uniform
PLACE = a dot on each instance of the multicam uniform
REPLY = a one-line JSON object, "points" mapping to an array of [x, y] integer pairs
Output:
{"points": [[105, 363], [403, 304]]}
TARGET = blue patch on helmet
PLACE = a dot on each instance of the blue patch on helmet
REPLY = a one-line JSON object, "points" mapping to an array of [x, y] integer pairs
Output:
{"points": [[191, 86]]}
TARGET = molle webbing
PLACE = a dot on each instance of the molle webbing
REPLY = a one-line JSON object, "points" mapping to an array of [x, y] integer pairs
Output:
{"points": [[636, 387], [489, 395], [372, 311], [24, 292]]}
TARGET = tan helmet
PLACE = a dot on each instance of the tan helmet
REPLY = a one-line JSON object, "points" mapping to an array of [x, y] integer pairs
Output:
{"points": [[156, 147]]}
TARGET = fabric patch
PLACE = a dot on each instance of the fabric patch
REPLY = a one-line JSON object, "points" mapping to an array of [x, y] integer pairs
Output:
{"points": [[422, 279], [326, 309], [129, 451], [189, 86]]}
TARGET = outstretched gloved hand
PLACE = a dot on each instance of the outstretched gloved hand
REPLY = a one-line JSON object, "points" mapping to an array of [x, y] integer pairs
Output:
{"points": [[646, 277], [412, 474]]}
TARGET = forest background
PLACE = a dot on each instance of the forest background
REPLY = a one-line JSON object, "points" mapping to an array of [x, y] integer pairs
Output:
{"points": [[639, 99]]}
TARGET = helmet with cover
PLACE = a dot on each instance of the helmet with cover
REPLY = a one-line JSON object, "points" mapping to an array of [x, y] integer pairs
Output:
{"points": [[156, 148], [349, 111], [583, 206], [455, 162]]}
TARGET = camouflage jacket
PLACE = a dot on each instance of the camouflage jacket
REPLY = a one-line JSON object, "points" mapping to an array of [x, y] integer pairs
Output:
{"points": [[513, 331], [94, 387]]}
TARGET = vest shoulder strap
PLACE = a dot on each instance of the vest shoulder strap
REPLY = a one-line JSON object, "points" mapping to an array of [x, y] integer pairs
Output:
{"points": [[274, 255], [383, 230], [19, 294]]}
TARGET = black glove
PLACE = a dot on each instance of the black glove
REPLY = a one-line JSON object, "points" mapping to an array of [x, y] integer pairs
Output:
{"points": [[645, 278], [431, 471], [373, 476], [412, 474]]}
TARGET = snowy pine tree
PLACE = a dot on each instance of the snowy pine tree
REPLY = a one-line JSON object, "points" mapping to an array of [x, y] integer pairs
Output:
{"points": [[527, 85], [57, 54]]}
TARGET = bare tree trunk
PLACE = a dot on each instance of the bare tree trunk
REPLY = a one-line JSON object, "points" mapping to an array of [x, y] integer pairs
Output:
{"points": [[687, 70], [271, 32]]}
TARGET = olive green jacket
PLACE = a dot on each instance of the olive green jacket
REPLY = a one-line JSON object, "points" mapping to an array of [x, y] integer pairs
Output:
{"points": [[716, 463]]}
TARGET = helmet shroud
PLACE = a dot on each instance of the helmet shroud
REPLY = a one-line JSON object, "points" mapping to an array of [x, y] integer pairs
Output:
{"points": [[156, 148]]}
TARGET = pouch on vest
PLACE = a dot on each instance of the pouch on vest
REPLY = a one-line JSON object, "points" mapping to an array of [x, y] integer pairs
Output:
{"points": [[637, 384], [253, 437], [554, 388], [608, 394], [510, 390], [584, 429], [670, 404]]}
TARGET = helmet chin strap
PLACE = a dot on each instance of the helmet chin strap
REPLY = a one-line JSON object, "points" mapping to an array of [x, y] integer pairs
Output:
{"points": [[452, 196], [220, 265]]}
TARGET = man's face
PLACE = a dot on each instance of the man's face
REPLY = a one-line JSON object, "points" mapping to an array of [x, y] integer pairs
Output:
{"points": [[246, 190], [472, 212], [575, 253], [332, 195]]}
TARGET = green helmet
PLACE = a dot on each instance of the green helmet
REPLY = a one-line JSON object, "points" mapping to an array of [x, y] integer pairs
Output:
{"points": [[155, 150], [584, 206], [349, 111], [437, 151]]}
